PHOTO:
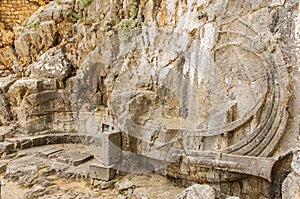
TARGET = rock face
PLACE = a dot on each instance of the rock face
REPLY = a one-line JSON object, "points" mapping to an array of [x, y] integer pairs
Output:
{"points": [[17, 11], [291, 185], [200, 91]]}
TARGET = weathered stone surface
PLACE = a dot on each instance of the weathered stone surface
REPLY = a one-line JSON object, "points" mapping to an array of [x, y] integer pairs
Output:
{"points": [[52, 64], [6, 36], [6, 132], [296, 161], [102, 172], [81, 158], [197, 191], [103, 184], [3, 167], [50, 151], [18, 11], [7, 56], [21, 88], [37, 191], [214, 100], [111, 148], [6, 82], [124, 185], [291, 185], [41, 31], [5, 112], [6, 147]]}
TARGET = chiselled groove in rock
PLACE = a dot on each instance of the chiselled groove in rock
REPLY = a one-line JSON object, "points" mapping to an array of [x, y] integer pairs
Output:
{"points": [[258, 134], [233, 125], [201, 89], [267, 151], [247, 144], [236, 44], [244, 35], [247, 25], [262, 141], [276, 131], [227, 127]]}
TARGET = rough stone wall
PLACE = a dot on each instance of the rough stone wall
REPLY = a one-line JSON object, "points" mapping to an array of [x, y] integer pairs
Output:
{"points": [[16, 11], [221, 91]]}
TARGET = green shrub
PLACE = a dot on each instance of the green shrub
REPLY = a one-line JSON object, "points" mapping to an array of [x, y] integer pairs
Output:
{"points": [[59, 2], [85, 3], [110, 33], [73, 16], [34, 25], [127, 28], [95, 26], [108, 25], [133, 12]]}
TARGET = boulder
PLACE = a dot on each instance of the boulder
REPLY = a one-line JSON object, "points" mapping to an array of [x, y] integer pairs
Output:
{"points": [[51, 64]]}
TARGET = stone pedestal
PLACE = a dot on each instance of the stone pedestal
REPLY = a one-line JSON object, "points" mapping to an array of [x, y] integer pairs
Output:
{"points": [[102, 172], [111, 148], [110, 157]]}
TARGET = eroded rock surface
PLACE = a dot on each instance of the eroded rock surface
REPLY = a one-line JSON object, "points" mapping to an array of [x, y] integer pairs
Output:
{"points": [[199, 91], [197, 191], [291, 185]]}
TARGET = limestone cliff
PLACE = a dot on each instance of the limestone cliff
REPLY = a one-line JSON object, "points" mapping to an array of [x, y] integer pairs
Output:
{"points": [[203, 91]]}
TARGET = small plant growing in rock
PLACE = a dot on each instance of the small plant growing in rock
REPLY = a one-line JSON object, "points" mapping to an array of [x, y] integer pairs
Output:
{"points": [[95, 26], [34, 25], [151, 116], [109, 27], [59, 2], [133, 12], [73, 16], [84, 19], [93, 107], [127, 28], [110, 33], [85, 3], [108, 24]]}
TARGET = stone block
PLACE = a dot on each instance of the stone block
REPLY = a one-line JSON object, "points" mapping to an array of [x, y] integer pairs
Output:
{"points": [[73, 138], [39, 141], [55, 139], [2, 167], [7, 147], [50, 151], [5, 132], [74, 158], [26, 143], [80, 158], [102, 172], [111, 148]]}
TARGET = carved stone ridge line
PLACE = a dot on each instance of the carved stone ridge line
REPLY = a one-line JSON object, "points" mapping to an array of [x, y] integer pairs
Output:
{"points": [[257, 166]]}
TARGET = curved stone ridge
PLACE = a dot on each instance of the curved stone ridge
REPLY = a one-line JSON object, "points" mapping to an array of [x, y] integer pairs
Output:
{"points": [[197, 90]]}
